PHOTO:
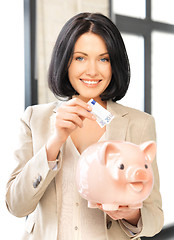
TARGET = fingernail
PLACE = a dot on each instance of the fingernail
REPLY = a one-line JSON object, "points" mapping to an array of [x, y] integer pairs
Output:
{"points": [[90, 108]]}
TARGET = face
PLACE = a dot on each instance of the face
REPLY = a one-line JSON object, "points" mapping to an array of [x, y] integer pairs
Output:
{"points": [[90, 70]]}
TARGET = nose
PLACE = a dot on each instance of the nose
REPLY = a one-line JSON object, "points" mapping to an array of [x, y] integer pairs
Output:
{"points": [[141, 175], [91, 69]]}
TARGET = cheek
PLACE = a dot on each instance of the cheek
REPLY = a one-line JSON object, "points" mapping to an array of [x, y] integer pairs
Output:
{"points": [[110, 72], [71, 71], [75, 68], [107, 72]]}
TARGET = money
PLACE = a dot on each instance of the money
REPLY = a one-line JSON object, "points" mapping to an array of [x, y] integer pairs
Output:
{"points": [[102, 115]]}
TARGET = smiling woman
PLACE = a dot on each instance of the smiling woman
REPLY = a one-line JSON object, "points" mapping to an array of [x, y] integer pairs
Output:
{"points": [[89, 60], [90, 70], [106, 45]]}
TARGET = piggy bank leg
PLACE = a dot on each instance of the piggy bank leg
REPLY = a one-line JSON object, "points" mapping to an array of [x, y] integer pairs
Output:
{"points": [[92, 204], [110, 207], [136, 206]]}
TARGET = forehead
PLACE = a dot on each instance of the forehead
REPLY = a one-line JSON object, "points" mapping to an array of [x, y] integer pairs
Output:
{"points": [[90, 42]]}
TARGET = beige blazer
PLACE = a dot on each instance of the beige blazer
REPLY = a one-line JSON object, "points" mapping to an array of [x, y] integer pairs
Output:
{"points": [[33, 189]]}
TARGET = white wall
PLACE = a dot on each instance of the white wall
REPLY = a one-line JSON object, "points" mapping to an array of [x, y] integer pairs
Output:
{"points": [[11, 102]]}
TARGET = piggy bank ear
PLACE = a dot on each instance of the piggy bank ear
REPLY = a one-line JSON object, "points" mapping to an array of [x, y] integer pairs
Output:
{"points": [[109, 151], [149, 148]]}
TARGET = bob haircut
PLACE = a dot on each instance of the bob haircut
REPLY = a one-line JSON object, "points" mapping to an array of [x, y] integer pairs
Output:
{"points": [[99, 24]]}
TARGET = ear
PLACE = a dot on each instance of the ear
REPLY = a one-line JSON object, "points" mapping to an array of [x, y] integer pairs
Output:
{"points": [[149, 148], [108, 151]]}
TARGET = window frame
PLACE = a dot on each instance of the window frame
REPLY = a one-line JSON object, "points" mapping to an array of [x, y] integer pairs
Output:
{"points": [[143, 27], [31, 81]]}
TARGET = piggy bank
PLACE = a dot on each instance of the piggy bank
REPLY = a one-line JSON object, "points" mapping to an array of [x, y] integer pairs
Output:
{"points": [[116, 174]]}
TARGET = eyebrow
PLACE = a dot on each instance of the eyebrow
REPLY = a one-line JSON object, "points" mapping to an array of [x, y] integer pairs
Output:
{"points": [[102, 54]]}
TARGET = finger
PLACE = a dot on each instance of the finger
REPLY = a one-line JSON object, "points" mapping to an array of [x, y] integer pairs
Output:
{"points": [[74, 118], [80, 111], [79, 102], [66, 124], [100, 206]]}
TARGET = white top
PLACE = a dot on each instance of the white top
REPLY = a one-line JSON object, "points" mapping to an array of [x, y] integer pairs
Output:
{"points": [[82, 223]]}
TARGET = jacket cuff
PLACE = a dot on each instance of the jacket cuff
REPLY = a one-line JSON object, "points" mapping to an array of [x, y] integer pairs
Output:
{"points": [[54, 165]]}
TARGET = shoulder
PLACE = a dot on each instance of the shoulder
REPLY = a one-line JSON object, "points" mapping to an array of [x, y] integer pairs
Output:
{"points": [[139, 115], [140, 125], [44, 107], [140, 120], [38, 112], [132, 113]]}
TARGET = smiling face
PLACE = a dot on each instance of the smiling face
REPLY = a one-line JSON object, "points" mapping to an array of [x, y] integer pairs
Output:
{"points": [[90, 71]]}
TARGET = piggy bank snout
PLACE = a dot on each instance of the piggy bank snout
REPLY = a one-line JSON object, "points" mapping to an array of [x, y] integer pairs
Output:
{"points": [[138, 175]]}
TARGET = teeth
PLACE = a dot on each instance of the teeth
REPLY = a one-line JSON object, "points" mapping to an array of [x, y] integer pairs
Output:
{"points": [[90, 82]]}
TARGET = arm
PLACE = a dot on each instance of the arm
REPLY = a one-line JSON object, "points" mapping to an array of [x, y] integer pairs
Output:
{"points": [[22, 194], [33, 173]]}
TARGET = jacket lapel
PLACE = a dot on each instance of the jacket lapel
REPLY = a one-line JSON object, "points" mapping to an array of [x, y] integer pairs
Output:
{"points": [[58, 177], [52, 117], [117, 129]]}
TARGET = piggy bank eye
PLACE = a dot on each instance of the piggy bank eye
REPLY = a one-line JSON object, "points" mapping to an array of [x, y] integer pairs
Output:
{"points": [[121, 166], [146, 166]]}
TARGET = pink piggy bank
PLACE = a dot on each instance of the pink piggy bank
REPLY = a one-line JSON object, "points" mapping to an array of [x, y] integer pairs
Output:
{"points": [[116, 174]]}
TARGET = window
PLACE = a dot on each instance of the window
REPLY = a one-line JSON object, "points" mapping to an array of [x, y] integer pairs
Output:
{"points": [[162, 11], [151, 26], [135, 49], [133, 8]]}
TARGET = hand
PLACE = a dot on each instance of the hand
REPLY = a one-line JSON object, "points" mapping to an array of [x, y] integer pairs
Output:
{"points": [[69, 116], [130, 215]]}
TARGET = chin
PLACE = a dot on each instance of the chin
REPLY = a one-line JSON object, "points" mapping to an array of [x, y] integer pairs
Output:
{"points": [[88, 94]]}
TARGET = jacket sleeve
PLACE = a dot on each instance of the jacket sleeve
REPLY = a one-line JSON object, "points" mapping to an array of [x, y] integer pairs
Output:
{"points": [[32, 175]]}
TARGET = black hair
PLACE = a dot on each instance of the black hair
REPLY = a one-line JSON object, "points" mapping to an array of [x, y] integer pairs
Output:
{"points": [[99, 24]]}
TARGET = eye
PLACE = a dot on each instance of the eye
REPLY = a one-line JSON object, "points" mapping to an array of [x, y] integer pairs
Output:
{"points": [[121, 166], [79, 58], [146, 166], [104, 59]]}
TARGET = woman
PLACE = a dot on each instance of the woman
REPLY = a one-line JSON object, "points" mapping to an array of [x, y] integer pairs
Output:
{"points": [[89, 60]]}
